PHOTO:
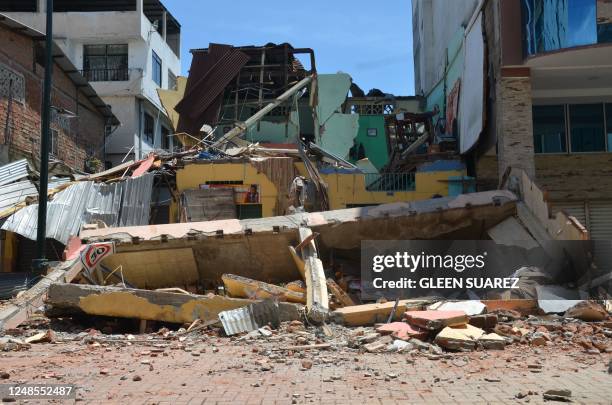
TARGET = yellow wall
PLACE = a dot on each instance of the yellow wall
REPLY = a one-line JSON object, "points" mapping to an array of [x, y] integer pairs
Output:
{"points": [[8, 251], [192, 175], [344, 189]]}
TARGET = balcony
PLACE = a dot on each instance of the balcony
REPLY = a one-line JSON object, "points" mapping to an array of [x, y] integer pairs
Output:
{"points": [[553, 25], [107, 75], [390, 182]]}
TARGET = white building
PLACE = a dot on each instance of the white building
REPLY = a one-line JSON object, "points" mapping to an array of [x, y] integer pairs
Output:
{"points": [[127, 49]]}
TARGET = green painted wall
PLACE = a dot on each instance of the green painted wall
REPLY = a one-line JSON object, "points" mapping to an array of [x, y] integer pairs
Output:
{"points": [[376, 148]]}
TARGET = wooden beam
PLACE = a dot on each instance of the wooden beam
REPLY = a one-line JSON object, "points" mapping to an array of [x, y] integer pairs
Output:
{"points": [[342, 297], [145, 304]]}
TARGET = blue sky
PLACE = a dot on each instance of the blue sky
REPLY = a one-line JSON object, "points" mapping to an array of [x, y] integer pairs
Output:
{"points": [[372, 41]]}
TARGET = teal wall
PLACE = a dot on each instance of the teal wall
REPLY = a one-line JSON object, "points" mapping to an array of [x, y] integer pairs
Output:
{"points": [[376, 148]]}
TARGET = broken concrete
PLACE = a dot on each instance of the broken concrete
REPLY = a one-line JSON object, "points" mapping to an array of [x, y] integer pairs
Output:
{"points": [[459, 338], [147, 305], [587, 311], [243, 287], [402, 331], [436, 320], [369, 314]]}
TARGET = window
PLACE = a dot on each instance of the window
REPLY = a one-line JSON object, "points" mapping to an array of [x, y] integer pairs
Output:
{"points": [[587, 127], [19, 5], [609, 126], [105, 63], [549, 25], [92, 6], [165, 135], [171, 81], [53, 146], [549, 129], [149, 129], [157, 69]]}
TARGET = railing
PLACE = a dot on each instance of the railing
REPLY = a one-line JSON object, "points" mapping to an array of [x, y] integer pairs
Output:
{"points": [[390, 181], [106, 75]]}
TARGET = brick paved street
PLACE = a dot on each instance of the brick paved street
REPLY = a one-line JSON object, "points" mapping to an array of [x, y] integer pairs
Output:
{"points": [[219, 370]]}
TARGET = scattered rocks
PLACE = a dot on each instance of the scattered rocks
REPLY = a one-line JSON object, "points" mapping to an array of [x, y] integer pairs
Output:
{"points": [[136, 378]]}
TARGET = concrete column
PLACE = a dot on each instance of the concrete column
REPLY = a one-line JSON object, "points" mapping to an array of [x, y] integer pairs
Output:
{"points": [[165, 25], [139, 6], [515, 122]]}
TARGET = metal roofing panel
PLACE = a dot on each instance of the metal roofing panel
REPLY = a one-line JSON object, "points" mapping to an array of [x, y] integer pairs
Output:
{"points": [[136, 206], [14, 171], [15, 193], [126, 203], [251, 317]]}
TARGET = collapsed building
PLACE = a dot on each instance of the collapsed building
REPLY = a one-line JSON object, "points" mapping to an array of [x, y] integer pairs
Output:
{"points": [[272, 198]]}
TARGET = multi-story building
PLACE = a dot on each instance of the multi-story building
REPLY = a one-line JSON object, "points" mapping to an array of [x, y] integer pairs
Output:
{"points": [[530, 85], [127, 49], [79, 116]]}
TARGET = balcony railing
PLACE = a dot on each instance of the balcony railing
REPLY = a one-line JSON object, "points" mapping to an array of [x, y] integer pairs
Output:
{"points": [[107, 75], [390, 181]]}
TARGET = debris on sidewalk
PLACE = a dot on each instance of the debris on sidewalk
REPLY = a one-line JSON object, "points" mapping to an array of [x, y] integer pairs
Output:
{"points": [[436, 320]]}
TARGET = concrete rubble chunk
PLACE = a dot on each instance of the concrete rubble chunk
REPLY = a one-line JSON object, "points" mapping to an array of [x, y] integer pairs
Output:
{"points": [[587, 311], [471, 307], [554, 299], [402, 330], [459, 338], [562, 395], [436, 320], [492, 341], [484, 321]]}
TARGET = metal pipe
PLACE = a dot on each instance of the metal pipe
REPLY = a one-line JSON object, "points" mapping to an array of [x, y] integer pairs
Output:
{"points": [[39, 263], [255, 118]]}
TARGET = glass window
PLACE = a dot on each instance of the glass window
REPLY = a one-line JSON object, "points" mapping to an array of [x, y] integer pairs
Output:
{"points": [[171, 80], [165, 135], [157, 69], [149, 129], [609, 125], [549, 129], [549, 25], [587, 127], [105, 62]]}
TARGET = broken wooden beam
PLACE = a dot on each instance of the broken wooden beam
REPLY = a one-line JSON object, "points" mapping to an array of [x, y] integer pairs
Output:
{"points": [[243, 287], [147, 305], [317, 301], [341, 296]]}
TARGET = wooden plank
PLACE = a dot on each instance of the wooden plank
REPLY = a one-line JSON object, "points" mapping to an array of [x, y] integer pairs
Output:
{"points": [[342, 297], [243, 287], [147, 305], [19, 309], [317, 301]]}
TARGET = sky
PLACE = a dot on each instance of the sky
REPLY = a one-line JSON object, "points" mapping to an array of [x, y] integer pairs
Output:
{"points": [[370, 40]]}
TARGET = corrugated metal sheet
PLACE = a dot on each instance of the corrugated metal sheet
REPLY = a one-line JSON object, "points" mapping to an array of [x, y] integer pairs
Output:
{"points": [[14, 171], [136, 206], [127, 203], [209, 75], [251, 317], [16, 193]]}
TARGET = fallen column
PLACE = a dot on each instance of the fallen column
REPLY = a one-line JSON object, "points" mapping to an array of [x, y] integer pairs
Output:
{"points": [[317, 301], [147, 305]]}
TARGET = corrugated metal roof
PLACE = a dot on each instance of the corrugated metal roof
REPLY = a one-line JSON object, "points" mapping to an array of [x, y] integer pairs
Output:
{"points": [[16, 193], [14, 171], [128, 203], [251, 317]]}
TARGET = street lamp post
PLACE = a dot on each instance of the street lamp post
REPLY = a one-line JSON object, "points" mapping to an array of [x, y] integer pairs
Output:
{"points": [[39, 263]]}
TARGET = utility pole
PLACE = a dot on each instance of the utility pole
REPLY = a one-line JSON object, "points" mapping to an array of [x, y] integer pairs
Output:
{"points": [[39, 264]]}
